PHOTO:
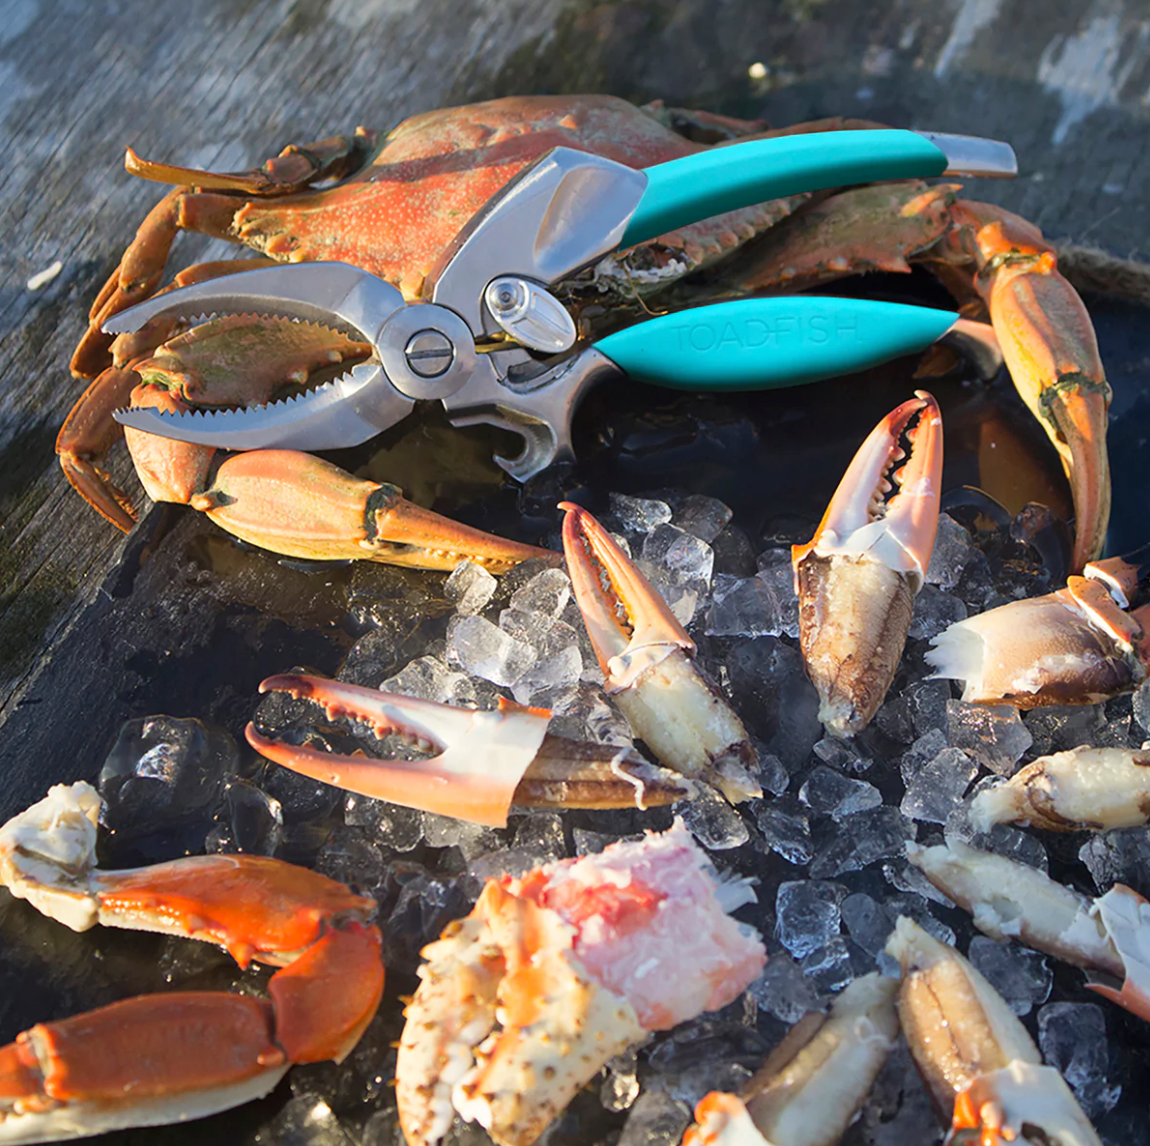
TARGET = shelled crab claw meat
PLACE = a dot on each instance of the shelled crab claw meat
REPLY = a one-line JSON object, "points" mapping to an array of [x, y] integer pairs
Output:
{"points": [[814, 1082], [524, 1001], [1085, 789], [1109, 937], [648, 664], [1079, 645], [975, 1056], [165, 1058], [483, 762], [857, 577]]}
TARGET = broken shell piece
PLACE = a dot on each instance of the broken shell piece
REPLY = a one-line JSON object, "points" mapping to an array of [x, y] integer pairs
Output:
{"points": [[1083, 789], [974, 1055], [524, 1001], [813, 1084], [649, 667]]}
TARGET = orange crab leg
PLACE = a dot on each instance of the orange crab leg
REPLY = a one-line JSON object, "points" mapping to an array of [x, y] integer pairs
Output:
{"points": [[857, 577], [646, 658], [1049, 345], [484, 761]]}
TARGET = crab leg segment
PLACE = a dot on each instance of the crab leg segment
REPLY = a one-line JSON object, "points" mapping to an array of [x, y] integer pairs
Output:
{"points": [[1074, 646], [1109, 936], [857, 578], [161, 1058], [811, 1087], [973, 1053], [647, 660], [522, 1002], [1090, 789], [301, 506], [483, 762]]}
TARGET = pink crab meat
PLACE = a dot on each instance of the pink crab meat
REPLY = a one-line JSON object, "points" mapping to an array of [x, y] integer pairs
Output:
{"points": [[640, 908]]}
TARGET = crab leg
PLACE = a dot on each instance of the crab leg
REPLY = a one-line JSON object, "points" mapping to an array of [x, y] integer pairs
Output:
{"points": [[811, 1087], [1010, 900], [857, 578], [484, 763], [1090, 789], [523, 1002], [647, 660], [156, 1059], [973, 1053], [1074, 646]]}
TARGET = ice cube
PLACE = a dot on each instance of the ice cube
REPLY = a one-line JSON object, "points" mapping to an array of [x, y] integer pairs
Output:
{"points": [[655, 1119], [251, 821], [995, 736], [305, 1121], [1021, 976], [857, 841], [703, 517], [486, 651], [391, 825], [712, 821], [1118, 856], [638, 514], [773, 777], [1142, 705], [934, 611], [786, 829], [590, 715], [935, 791], [469, 588], [681, 554], [807, 915], [763, 605], [621, 1086], [833, 794], [834, 965], [842, 755], [1073, 1041], [783, 990], [547, 593], [471, 839], [427, 678], [1059, 728], [352, 857], [952, 550]]}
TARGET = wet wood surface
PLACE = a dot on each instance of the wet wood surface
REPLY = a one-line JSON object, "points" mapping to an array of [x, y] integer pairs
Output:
{"points": [[230, 83]]}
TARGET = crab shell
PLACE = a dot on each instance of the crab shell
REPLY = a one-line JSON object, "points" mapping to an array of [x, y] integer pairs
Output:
{"points": [[525, 1000]]}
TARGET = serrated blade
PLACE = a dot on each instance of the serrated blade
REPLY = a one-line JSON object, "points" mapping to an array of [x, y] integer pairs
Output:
{"points": [[332, 294], [344, 412]]}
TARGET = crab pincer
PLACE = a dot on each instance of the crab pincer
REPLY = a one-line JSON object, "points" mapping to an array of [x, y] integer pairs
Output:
{"points": [[164, 1058], [814, 1082], [1079, 645], [648, 664], [482, 762], [857, 577], [521, 1003], [981, 1068], [1109, 937]]}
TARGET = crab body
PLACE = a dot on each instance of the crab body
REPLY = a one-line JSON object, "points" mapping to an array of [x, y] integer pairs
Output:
{"points": [[398, 205]]}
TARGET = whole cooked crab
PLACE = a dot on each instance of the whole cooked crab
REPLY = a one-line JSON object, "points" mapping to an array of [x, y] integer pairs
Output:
{"points": [[400, 202]]}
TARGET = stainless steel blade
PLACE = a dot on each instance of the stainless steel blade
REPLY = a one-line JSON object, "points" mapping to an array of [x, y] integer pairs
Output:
{"points": [[344, 412], [333, 294]]}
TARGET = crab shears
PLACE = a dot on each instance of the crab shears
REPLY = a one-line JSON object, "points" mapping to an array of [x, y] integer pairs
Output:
{"points": [[494, 345]]}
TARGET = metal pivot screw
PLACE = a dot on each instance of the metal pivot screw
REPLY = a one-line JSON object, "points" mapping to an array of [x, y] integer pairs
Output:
{"points": [[505, 298], [429, 353]]}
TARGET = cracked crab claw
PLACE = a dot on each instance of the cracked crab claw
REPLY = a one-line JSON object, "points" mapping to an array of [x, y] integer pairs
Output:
{"points": [[1084, 789], [1074, 646], [524, 1001], [1109, 937], [858, 576], [815, 1081], [170, 1057], [648, 664], [483, 762], [974, 1055]]}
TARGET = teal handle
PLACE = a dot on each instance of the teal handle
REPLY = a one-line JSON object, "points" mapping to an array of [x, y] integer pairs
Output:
{"points": [[721, 179], [768, 343]]}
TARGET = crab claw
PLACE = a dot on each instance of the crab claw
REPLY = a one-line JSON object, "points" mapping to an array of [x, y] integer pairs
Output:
{"points": [[1075, 646], [815, 1081], [524, 1001], [857, 578], [301, 506], [166, 1058], [483, 763], [1108, 937], [974, 1055], [648, 665]]}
